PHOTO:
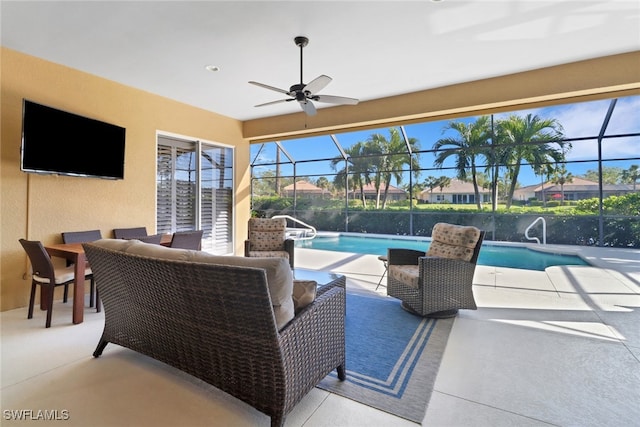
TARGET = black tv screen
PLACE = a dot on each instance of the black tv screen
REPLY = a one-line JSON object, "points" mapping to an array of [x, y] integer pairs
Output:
{"points": [[59, 142]]}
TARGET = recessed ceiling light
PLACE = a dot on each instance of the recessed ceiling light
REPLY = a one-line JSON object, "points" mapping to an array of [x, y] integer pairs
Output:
{"points": [[212, 68]]}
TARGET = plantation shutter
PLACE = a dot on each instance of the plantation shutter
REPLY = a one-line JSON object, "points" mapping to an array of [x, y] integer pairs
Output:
{"points": [[164, 190], [217, 197], [196, 192], [186, 181], [176, 181]]}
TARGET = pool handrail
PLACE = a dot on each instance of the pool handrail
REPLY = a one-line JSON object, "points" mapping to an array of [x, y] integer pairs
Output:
{"points": [[299, 233], [544, 231]]}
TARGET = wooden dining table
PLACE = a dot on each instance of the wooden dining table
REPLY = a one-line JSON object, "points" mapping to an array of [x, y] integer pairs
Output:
{"points": [[73, 252]]}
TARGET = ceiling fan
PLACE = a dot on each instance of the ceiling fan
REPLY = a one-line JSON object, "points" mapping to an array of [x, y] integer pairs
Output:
{"points": [[305, 93]]}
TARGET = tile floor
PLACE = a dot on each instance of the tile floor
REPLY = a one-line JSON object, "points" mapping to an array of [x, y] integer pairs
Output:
{"points": [[554, 348]]}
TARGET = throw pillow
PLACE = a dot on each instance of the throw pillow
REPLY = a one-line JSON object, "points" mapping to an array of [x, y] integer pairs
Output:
{"points": [[304, 293]]}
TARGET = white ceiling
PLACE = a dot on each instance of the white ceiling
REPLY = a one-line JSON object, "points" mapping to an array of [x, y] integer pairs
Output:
{"points": [[371, 49]]}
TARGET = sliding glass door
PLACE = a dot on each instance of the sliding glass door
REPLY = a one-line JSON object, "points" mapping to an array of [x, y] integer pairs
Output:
{"points": [[194, 188]]}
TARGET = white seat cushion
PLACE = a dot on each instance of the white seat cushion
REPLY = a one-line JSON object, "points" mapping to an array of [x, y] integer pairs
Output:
{"points": [[63, 274]]}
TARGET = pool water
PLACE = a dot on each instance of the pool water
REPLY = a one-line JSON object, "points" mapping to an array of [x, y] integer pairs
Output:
{"points": [[493, 255]]}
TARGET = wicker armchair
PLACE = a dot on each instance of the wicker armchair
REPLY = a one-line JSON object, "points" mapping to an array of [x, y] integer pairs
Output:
{"points": [[267, 238], [439, 282]]}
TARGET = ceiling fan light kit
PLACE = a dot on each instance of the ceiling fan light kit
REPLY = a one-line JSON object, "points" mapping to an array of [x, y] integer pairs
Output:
{"points": [[306, 93]]}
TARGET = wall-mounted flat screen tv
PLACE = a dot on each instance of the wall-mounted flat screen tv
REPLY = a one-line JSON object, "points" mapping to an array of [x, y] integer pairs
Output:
{"points": [[60, 142]]}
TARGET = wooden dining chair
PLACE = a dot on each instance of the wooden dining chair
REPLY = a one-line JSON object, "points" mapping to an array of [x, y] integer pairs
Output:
{"points": [[187, 240], [129, 233], [84, 237], [46, 275], [155, 239]]}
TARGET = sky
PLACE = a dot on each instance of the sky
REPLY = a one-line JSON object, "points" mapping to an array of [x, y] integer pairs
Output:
{"points": [[578, 120]]}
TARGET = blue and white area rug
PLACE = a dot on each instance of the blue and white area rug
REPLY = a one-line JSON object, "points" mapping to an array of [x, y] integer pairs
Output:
{"points": [[392, 356]]}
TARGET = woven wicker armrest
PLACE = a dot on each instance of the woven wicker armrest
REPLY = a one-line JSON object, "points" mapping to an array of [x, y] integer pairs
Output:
{"points": [[339, 282], [453, 263], [332, 296], [313, 343], [396, 256], [439, 270]]}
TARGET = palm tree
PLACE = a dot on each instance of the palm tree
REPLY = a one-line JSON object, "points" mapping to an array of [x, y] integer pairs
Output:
{"points": [[374, 149], [443, 181], [496, 156], [359, 171], [543, 170], [528, 138], [414, 190], [431, 182], [473, 140], [393, 156], [561, 176], [631, 175], [323, 182]]}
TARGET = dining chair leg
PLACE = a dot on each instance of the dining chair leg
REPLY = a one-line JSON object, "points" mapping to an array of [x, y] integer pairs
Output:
{"points": [[66, 293], [32, 300], [50, 306]]}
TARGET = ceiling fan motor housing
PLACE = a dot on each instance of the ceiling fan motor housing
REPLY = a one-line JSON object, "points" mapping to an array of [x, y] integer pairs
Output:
{"points": [[297, 91]]}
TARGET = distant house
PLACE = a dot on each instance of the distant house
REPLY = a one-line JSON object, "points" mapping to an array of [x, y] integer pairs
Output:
{"points": [[528, 192], [394, 193], [304, 189], [577, 189], [457, 192]]}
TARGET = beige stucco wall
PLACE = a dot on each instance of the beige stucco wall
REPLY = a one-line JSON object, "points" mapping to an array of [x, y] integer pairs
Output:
{"points": [[40, 207]]}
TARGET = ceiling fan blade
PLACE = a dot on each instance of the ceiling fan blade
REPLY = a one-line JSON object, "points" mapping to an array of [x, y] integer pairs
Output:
{"points": [[317, 84], [274, 102], [308, 107], [286, 92], [336, 99]]}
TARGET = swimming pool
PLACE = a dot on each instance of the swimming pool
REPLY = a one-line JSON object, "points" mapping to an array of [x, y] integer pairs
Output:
{"points": [[493, 255]]}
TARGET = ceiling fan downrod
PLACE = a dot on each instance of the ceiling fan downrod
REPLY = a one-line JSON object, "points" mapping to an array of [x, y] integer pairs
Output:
{"points": [[301, 41]]}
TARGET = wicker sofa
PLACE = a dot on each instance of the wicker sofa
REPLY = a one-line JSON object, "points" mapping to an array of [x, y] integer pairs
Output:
{"points": [[221, 320]]}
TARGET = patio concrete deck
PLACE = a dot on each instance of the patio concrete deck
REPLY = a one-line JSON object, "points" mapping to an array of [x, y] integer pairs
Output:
{"points": [[554, 347]]}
